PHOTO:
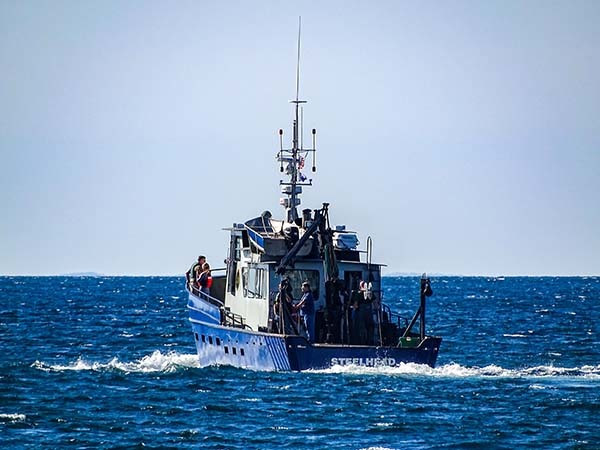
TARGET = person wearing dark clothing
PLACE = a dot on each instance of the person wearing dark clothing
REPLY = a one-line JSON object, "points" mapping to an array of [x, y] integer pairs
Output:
{"points": [[283, 307], [307, 311], [334, 310], [344, 307], [362, 329], [366, 313], [354, 323]]}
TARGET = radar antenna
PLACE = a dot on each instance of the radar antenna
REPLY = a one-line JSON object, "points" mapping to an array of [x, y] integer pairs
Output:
{"points": [[292, 159]]}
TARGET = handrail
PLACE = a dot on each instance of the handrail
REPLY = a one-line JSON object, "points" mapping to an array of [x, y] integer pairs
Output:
{"points": [[393, 315], [227, 317], [203, 295], [233, 319]]}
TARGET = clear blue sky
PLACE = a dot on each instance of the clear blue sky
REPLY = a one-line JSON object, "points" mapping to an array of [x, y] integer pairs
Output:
{"points": [[464, 137]]}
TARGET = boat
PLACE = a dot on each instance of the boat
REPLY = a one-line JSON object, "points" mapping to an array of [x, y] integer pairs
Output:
{"points": [[250, 318]]}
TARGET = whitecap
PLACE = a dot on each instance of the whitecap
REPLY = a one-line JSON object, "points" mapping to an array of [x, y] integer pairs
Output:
{"points": [[515, 335], [12, 417], [454, 370], [155, 362], [376, 448], [173, 361]]}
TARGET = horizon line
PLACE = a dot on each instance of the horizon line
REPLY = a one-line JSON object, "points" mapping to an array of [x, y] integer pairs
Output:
{"points": [[389, 275]]}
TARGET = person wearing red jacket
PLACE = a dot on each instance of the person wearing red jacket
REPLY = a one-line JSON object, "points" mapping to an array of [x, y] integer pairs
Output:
{"points": [[205, 279]]}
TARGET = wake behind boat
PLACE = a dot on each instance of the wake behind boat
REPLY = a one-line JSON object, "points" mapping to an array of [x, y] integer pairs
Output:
{"points": [[297, 294]]}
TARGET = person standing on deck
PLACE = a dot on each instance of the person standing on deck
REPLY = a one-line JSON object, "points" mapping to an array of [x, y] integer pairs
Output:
{"points": [[307, 311], [192, 274], [282, 309], [205, 279], [366, 313]]}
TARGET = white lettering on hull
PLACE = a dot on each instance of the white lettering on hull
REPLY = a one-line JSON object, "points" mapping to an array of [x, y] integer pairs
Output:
{"points": [[367, 362]]}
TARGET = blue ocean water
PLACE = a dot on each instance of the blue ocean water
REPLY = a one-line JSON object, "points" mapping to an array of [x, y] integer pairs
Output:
{"points": [[105, 362]]}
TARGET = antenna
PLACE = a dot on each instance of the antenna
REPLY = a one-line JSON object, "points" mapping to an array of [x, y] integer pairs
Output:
{"points": [[301, 127], [281, 149], [314, 150], [298, 61], [294, 158]]}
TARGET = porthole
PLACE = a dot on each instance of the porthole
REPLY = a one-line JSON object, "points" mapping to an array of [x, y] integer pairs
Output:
{"points": [[210, 339], [196, 336], [218, 341], [242, 351], [203, 338], [226, 350], [233, 348]]}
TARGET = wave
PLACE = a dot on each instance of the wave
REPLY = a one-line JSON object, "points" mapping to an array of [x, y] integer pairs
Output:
{"points": [[156, 362], [457, 371], [173, 361], [12, 417], [376, 448]]}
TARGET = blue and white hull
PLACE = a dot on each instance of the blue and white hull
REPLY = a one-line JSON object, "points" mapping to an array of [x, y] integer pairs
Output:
{"points": [[225, 345]]}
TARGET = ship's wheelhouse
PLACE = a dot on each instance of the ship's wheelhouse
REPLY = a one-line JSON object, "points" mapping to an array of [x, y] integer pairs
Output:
{"points": [[251, 280]]}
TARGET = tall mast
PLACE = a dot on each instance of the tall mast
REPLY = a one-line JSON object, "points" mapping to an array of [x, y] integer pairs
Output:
{"points": [[294, 158]]}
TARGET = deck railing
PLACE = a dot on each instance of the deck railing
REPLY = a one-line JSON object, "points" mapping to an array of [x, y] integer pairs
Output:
{"points": [[228, 318], [204, 296], [392, 315], [232, 319]]}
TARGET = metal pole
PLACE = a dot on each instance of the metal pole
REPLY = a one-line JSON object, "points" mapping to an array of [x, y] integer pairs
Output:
{"points": [[281, 314], [425, 292], [379, 322]]}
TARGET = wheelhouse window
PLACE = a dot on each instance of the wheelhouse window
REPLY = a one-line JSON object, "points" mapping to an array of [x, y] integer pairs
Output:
{"points": [[254, 282], [298, 276], [238, 249]]}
